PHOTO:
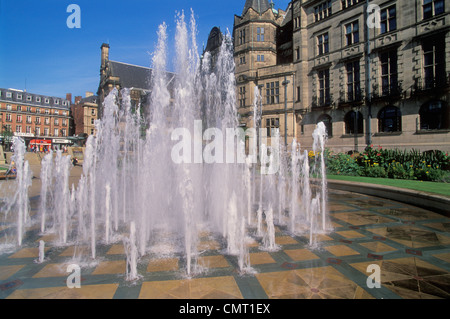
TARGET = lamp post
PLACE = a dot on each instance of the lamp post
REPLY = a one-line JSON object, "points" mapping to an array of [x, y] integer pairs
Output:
{"points": [[259, 124], [285, 83], [368, 82]]}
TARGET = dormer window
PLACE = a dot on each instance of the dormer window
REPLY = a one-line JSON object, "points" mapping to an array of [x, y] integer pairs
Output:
{"points": [[38, 99], [47, 100]]}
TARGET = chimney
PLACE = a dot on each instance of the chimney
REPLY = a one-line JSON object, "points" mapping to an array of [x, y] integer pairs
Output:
{"points": [[78, 99], [69, 97], [105, 54]]}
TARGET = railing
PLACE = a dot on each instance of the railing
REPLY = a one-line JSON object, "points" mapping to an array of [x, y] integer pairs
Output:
{"points": [[322, 101], [431, 83]]}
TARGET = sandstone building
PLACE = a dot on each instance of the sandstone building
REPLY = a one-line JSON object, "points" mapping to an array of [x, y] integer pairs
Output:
{"points": [[385, 84]]}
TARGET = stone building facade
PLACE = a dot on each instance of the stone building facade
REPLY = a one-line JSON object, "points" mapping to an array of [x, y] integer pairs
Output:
{"points": [[85, 113], [34, 117], [382, 82]]}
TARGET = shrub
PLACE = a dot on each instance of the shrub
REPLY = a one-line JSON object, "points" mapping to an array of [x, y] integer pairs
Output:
{"points": [[375, 171], [342, 164], [398, 171]]}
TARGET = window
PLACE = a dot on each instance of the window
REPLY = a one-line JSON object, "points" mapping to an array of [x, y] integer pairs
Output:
{"points": [[273, 92], [29, 119], [260, 58], [46, 131], [28, 129], [353, 81], [18, 128], [64, 132], [8, 128], [242, 36], [296, 22], [349, 3], [8, 107], [47, 111], [326, 119], [297, 53], [434, 116], [259, 34], [9, 95], [434, 63], [298, 93], [352, 33], [57, 102], [29, 98], [56, 121], [272, 125], [38, 120], [8, 117], [93, 111], [390, 119], [37, 131], [64, 122], [19, 108], [388, 19], [322, 11], [38, 110], [92, 131], [322, 44], [47, 121], [47, 100], [354, 122], [19, 118], [56, 132], [38, 99], [56, 112], [389, 76], [432, 8], [324, 87], [242, 59], [241, 98]]}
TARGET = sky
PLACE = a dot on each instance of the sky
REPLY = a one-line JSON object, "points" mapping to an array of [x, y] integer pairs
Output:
{"points": [[39, 53]]}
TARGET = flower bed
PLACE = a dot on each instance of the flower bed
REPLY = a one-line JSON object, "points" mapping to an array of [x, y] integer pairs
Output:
{"points": [[396, 164]]}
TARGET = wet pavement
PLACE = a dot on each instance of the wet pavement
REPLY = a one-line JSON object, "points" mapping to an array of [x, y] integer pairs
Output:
{"points": [[409, 246]]}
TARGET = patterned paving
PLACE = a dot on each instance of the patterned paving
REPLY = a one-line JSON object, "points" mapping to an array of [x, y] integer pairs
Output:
{"points": [[411, 247]]}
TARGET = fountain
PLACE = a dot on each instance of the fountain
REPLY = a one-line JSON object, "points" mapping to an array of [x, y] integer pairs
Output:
{"points": [[139, 173]]}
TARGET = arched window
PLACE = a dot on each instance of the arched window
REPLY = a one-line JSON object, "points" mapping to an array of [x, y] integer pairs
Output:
{"points": [[434, 116], [353, 120], [390, 119], [326, 119]]}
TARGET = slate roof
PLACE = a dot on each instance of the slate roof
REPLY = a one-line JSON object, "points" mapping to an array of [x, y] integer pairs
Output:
{"points": [[27, 98], [259, 6], [131, 76], [134, 76]]}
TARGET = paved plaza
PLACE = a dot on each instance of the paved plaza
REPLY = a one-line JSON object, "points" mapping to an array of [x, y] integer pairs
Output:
{"points": [[410, 245]]}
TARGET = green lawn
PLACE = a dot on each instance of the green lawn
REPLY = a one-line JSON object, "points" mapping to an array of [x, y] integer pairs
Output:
{"points": [[431, 187]]}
